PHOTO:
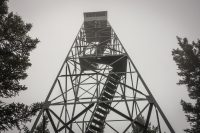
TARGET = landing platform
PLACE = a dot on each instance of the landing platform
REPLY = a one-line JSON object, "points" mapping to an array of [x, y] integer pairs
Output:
{"points": [[117, 62]]}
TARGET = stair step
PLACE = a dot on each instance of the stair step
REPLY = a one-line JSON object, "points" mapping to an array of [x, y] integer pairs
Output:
{"points": [[100, 123], [99, 116], [110, 85], [106, 100], [107, 95], [114, 81], [110, 82], [88, 131], [101, 111], [111, 91], [115, 76], [103, 105], [95, 128], [112, 78], [103, 99]]}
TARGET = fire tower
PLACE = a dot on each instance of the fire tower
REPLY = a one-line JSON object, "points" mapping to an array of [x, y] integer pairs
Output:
{"points": [[99, 89]]}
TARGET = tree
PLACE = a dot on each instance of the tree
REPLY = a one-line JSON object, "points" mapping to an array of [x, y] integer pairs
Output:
{"points": [[187, 58], [42, 126], [15, 47], [150, 128]]}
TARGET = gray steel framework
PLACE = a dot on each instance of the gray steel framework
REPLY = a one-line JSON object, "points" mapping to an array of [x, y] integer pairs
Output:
{"points": [[99, 89]]}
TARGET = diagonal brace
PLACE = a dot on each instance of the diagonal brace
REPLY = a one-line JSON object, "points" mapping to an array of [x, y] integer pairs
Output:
{"points": [[61, 120], [73, 119], [148, 118], [52, 122], [125, 116]]}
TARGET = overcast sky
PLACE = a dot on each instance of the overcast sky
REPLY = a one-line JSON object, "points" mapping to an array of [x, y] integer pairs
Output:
{"points": [[146, 28]]}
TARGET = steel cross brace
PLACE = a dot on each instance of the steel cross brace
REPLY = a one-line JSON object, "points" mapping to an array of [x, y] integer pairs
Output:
{"points": [[125, 116], [73, 119]]}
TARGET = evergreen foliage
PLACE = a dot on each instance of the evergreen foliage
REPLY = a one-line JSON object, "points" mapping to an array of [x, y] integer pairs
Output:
{"points": [[42, 126], [187, 58], [15, 47], [150, 129]]}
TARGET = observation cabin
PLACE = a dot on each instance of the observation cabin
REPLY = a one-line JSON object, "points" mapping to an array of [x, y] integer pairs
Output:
{"points": [[99, 50], [97, 29], [94, 16]]}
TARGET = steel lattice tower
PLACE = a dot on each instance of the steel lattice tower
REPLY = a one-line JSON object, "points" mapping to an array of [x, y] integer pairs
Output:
{"points": [[99, 89]]}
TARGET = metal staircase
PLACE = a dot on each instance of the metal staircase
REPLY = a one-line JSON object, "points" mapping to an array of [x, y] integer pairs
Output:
{"points": [[101, 110]]}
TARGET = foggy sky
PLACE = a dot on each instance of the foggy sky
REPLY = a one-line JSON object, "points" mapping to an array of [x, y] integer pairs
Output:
{"points": [[146, 28]]}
